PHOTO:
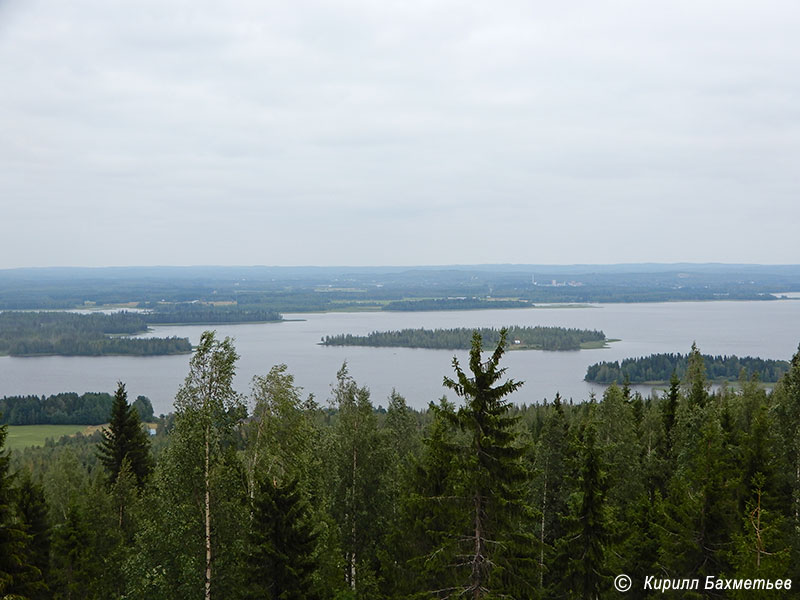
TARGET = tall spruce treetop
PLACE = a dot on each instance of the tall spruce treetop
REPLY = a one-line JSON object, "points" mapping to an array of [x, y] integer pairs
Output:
{"points": [[696, 384], [125, 438], [492, 479]]}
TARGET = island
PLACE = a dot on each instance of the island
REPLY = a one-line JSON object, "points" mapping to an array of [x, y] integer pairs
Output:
{"points": [[519, 338], [64, 333], [658, 368], [73, 334]]}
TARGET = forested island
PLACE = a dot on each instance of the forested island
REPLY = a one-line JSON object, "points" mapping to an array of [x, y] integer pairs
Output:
{"points": [[658, 368], [37, 333], [195, 313], [67, 408], [519, 338], [352, 501], [72, 334]]}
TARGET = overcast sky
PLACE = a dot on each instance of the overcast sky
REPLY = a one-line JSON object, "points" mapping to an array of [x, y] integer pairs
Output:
{"points": [[398, 132]]}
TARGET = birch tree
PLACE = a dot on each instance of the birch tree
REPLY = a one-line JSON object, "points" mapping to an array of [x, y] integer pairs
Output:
{"points": [[207, 407]]}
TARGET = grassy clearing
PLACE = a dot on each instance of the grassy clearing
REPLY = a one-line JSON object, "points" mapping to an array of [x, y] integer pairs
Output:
{"points": [[598, 344], [23, 436]]}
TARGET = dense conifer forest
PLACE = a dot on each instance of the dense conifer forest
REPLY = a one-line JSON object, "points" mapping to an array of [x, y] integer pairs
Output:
{"points": [[67, 408], [522, 338], [274, 495], [95, 334], [72, 334], [660, 367]]}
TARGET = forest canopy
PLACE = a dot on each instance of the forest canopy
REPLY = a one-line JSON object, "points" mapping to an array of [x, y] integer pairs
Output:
{"points": [[73, 334], [659, 368], [519, 338], [67, 408], [481, 499]]}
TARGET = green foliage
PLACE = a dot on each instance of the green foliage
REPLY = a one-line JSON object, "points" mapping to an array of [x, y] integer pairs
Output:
{"points": [[551, 487], [497, 550], [281, 433], [17, 572], [188, 313], [71, 334], [125, 440], [660, 367], [281, 557], [144, 408], [352, 502], [537, 338], [58, 409], [453, 304], [34, 521], [358, 459], [584, 550]]}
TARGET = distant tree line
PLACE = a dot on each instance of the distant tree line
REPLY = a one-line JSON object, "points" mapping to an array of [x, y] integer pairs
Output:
{"points": [[73, 334], [454, 304], [534, 338], [660, 367], [67, 408], [208, 314]]}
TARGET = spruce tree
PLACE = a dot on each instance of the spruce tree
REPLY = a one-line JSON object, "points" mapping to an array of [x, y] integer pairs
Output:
{"points": [[787, 409], [429, 528], [670, 404], [19, 577], [73, 564], [124, 439], [282, 544], [32, 510], [583, 549], [499, 545], [551, 486]]}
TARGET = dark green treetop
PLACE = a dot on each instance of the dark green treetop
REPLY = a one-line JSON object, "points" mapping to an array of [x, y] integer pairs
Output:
{"points": [[125, 439]]}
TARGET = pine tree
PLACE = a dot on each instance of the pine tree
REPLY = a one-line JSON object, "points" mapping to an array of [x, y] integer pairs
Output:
{"points": [[500, 546], [282, 543], [124, 439]]}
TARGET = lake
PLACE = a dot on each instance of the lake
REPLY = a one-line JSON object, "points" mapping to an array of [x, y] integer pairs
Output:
{"points": [[765, 329]]}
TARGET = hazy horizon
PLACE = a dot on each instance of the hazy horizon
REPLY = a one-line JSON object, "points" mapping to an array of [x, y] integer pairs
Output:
{"points": [[505, 265]]}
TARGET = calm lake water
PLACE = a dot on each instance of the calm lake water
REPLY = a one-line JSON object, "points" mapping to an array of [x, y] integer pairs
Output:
{"points": [[765, 329]]}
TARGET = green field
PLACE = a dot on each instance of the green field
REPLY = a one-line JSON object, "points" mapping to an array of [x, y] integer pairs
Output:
{"points": [[22, 436]]}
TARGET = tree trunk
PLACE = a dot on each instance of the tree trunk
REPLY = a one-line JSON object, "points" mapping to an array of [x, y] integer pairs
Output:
{"points": [[541, 534], [476, 578], [208, 517], [353, 508]]}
